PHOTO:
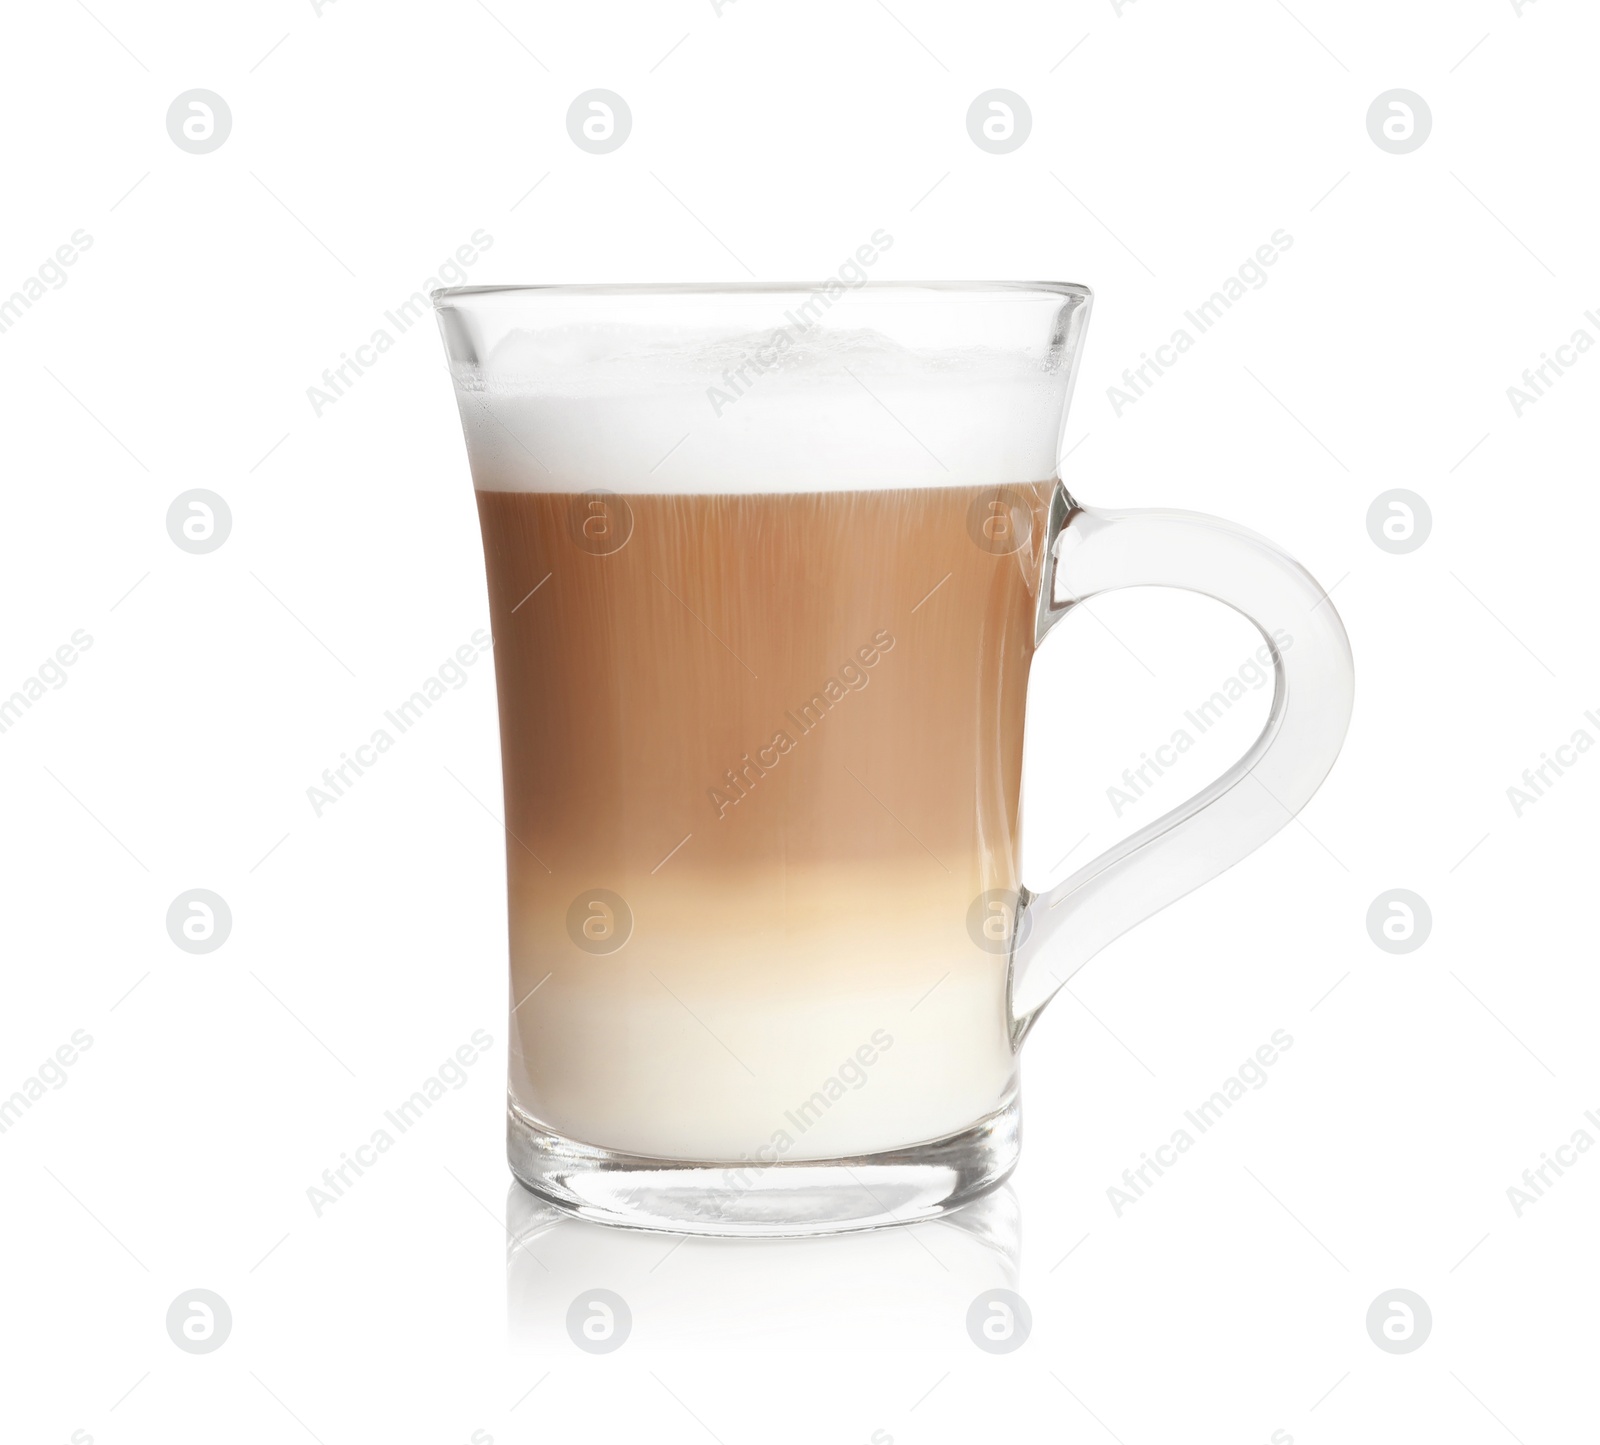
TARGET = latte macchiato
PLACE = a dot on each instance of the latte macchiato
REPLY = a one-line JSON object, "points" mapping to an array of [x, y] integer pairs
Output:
{"points": [[762, 757], [768, 567]]}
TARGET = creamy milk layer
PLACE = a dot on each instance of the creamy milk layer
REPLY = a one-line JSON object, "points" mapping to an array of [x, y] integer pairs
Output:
{"points": [[630, 410], [760, 1015]]}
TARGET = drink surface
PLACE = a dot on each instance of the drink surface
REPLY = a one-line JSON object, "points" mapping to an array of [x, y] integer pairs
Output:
{"points": [[762, 759], [695, 409]]}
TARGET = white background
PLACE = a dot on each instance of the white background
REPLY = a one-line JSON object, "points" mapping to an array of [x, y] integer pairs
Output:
{"points": [[1168, 142]]}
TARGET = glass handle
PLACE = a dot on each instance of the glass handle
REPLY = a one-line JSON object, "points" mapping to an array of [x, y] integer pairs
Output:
{"points": [[1090, 551]]}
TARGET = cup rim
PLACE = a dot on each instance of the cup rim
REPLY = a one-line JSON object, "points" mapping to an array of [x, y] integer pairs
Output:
{"points": [[993, 290]]}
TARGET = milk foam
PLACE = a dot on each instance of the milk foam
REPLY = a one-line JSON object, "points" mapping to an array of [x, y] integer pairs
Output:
{"points": [[629, 410]]}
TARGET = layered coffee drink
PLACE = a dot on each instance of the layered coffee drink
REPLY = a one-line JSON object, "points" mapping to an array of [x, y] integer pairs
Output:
{"points": [[762, 759], [768, 565]]}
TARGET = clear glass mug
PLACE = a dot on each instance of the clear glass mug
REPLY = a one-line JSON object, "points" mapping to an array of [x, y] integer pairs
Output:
{"points": [[768, 566]]}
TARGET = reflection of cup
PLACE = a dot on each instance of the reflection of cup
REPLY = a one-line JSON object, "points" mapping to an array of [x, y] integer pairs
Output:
{"points": [[868, 1289], [767, 569]]}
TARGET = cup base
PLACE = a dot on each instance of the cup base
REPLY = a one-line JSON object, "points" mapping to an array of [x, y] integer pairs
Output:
{"points": [[782, 1200]]}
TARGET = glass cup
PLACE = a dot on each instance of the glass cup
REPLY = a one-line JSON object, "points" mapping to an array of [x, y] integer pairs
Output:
{"points": [[768, 566]]}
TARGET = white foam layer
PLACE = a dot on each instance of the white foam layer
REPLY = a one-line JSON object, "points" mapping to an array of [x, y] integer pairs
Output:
{"points": [[632, 411]]}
